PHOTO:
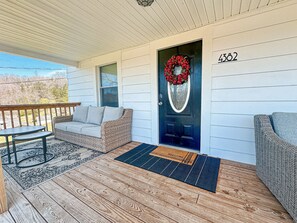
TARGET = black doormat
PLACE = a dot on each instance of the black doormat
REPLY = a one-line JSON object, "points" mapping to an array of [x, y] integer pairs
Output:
{"points": [[203, 173]]}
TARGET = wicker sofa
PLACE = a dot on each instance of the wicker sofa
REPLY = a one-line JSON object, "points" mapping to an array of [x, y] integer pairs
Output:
{"points": [[276, 163], [113, 133]]}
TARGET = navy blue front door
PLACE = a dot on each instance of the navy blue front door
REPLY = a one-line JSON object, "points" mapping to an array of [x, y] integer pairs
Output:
{"points": [[180, 113]]}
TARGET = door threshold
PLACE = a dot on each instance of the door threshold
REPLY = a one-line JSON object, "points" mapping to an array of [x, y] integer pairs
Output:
{"points": [[180, 148]]}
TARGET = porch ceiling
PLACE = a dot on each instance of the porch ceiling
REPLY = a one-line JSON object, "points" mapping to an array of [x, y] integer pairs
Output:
{"points": [[72, 30]]}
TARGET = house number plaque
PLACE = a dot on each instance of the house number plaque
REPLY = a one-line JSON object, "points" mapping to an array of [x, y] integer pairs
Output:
{"points": [[228, 57]]}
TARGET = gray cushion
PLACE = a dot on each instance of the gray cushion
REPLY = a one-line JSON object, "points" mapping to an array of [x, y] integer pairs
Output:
{"points": [[80, 113], [111, 113], [62, 126], [95, 115], [72, 126], [92, 131], [285, 126], [77, 128]]}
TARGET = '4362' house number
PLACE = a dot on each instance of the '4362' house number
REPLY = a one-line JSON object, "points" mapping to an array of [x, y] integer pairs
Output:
{"points": [[228, 57]]}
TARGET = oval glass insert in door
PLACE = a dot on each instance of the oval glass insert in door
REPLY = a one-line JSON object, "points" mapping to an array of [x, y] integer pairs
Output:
{"points": [[179, 94]]}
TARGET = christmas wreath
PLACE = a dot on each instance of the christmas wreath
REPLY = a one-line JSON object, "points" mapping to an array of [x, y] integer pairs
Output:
{"points": [[172, 63]]}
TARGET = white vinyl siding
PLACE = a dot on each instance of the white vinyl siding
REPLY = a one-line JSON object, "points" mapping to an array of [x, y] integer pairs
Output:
{"points": [[262, 81], [136, 82], [82, 86]]}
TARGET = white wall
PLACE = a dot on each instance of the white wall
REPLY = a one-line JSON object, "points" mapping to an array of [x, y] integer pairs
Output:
{"points": [[136, 79], [263, 80], [81, 85]]}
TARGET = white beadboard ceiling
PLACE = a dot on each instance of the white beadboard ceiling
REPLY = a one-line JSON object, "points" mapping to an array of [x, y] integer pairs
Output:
{"points": [[73, 30]]}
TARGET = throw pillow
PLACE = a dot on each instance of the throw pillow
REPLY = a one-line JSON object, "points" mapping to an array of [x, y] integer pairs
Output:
{"points": [[111, 113], [285, 126], [80, 114], [95, 115]]}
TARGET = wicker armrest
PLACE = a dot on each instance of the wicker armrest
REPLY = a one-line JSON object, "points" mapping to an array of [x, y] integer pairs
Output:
{"points": [[265, 130], [115, 132], [276, 164], [263, 121], [277, 167], [271, 138], [267, 140], [62, 119]]}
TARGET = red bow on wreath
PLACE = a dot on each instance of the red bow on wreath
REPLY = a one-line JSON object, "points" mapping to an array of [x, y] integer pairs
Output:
{"points": [[173, 62]]}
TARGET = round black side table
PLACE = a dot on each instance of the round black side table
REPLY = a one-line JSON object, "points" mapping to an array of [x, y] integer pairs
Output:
{"points": [[14, 132], [38, 135]]}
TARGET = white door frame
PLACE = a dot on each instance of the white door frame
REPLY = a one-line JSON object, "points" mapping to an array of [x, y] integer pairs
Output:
{"points": [[204, 34]]}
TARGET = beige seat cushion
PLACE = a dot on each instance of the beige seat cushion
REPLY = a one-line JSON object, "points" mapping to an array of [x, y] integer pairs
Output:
{"points": [[74, 127], [94, 131], [63, 125], [78, 128]]}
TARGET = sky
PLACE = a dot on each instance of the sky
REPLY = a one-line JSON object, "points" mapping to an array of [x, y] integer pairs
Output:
{"points": [[24, 66]]}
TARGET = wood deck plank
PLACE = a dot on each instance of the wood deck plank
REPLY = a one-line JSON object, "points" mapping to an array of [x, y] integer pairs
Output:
{"points": [[273, 210], [240, 211], [237, 178], [107, 209], [240, 165], [255, 190], [47, 207], [238, 201], [188, 205], [132, 206], [146, 199], [19, 207], [239, 194], [104, 190], [80, 211], [249, 175], [246, 211], [156, 180], [6, 218]]}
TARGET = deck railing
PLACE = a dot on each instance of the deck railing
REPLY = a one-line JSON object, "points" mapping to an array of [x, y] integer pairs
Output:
{"points": [[33, 114]]}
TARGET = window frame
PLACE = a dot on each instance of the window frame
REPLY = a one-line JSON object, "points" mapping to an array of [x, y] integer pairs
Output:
{"points": [[99, 86]]}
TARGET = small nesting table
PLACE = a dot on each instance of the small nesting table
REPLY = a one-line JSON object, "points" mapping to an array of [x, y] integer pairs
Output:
{"points": [[17, 131], [37, 135]]}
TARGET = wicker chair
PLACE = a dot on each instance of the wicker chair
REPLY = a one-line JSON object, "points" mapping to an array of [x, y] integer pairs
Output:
{"points": [[276, 164], [113, 133]]}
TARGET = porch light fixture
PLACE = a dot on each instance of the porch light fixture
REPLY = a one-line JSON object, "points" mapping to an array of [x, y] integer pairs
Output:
{"points": [[145, 3]]}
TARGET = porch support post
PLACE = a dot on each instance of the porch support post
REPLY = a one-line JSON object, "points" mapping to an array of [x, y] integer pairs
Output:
{"points": [[3, 199]]}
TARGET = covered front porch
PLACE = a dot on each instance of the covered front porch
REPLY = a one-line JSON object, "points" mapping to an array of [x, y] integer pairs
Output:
{"points": [[242, 62], [247, 60]]}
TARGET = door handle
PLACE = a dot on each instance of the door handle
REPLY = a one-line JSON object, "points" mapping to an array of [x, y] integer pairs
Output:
{"points": [[160, 103]]}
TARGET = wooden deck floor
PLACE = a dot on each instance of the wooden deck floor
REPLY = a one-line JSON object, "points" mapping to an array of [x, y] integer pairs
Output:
{"points": [[105, 190]]}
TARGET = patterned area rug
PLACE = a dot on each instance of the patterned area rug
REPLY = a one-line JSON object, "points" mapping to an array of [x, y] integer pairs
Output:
{"points": [[67, 156]]}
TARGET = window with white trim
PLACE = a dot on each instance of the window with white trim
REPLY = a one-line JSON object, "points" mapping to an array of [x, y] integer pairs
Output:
{"points": [[108, 85]]}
